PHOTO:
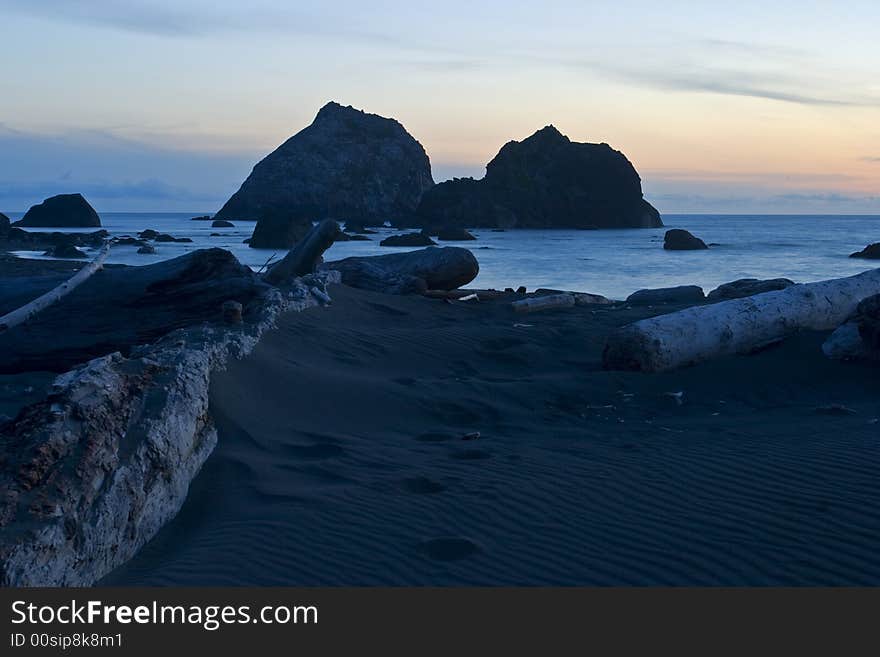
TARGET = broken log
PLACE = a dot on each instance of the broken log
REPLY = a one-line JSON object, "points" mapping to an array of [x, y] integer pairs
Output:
{"points": [[737, 326], [21, 315], [305, 257], [535, 304]]}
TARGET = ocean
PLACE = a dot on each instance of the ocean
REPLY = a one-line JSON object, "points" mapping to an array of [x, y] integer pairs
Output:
{"points": [[613, 263]]}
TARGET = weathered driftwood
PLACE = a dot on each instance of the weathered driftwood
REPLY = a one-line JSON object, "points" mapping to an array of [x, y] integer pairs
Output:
{"points": [[535, 304], [120, 307], [737, 326], [416, 272], [306, 255], [42, 302]]}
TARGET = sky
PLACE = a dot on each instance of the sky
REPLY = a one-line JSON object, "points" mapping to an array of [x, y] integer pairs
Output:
{"points": [[747, 107]]}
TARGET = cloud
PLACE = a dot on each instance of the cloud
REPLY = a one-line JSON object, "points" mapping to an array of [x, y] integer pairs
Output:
{"points": [[870, 158]]}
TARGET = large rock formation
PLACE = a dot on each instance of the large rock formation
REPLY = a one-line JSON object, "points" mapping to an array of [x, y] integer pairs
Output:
{"points": [[545, 181], [64, 210], [346, 165], [678, 239]]}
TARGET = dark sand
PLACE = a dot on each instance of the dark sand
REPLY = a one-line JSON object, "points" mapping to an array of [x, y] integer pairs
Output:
{"points": [[341, 459]]}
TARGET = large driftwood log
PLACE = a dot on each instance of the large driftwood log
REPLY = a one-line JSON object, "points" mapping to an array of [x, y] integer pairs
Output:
{"points": [[21, 315], [306, 255], [737, 326], [118, 308]]}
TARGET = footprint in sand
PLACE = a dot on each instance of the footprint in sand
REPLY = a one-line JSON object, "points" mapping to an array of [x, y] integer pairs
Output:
{"points": [[448, 549], [422, 486]]}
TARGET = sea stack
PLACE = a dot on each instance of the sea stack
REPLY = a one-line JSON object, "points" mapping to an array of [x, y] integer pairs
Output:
{"points": [[347, 165], [63, 211], [545, 181]]}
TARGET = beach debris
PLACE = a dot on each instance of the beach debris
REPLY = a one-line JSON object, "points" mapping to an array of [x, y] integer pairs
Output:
{"points": [[411, 272], [469, 297], [737, 326], [585, 299], [231, 312], [677, 396], [473, 435], [305, 257], [835, 409], [536, 304], [320, 295], [859, 337], [27, 311]]}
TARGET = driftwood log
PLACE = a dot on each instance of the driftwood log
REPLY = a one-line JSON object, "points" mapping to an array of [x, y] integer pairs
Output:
{"points": [[120, 307], [743, 325], [535, 304], [305, 257], [21, 315], [413, 272]]}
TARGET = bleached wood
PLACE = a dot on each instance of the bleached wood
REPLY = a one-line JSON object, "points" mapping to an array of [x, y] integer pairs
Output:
{"points": [[535, 304], [21, 315], [737, 326]]}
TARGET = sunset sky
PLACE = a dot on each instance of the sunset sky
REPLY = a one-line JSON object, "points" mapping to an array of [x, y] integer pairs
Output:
{"points": [[752, 107]]}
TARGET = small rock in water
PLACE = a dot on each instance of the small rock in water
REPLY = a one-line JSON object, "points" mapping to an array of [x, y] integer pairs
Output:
{"points": [[682, 240], [677, 396], [147, 248], [474, 435]]}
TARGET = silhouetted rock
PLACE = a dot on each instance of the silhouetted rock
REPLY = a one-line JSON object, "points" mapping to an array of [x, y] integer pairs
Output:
{"points": [[220, 223], [5, 224], [147, 249], [64, 210], [346, 164], [412, 272], [676, 295], [682, 240], [65, 251], [868, 318], [165, 237], [148, 234], [871, 252], [408, 239], [342, 237], [359, 238], [454, 235], [204, 217], [545, 181], [279, 229], [747, 287]]}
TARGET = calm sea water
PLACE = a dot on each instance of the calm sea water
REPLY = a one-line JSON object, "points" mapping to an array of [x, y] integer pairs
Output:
{"points": [[610, 262]]}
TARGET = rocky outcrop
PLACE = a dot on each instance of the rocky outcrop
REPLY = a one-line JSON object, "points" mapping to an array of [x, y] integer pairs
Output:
{"points": [[414, 272], [545, 181], [674, 295], [678, 239], [346, 165], [279, 229], [64, 210], [13, 239], [408, 239], [91, 473], [64, 251], [220, 223], [452, 234], [870, 252], [747, 287]]}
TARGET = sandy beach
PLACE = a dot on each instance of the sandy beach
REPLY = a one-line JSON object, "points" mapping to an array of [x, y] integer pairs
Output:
{"points": [[347, 455]]}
